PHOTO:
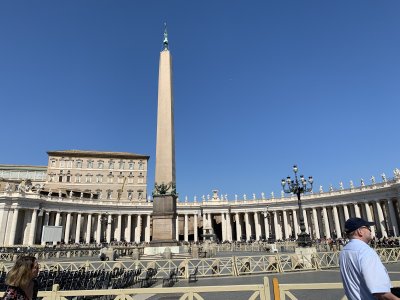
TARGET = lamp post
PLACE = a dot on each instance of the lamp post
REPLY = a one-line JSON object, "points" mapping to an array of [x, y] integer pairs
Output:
{"points": [[299, 187]]}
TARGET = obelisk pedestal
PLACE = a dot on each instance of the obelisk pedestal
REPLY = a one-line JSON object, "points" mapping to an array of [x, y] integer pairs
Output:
{"points": [[164, 216]]}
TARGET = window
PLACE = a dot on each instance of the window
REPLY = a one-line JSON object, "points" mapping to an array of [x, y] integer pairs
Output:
{"points": [[89, 178], [90, 164], [121, 165], [99, 178], [60, 178], [140, 180], [53, 163], [100, 164], [69, 176], [62, 163], [130, 179], [140, 195], [78, 163], [131, 165], [140, 165], [120, 179], [109, 194], [69, 164], [110, 179], [111, 164], [130, 194], [78, 178]]}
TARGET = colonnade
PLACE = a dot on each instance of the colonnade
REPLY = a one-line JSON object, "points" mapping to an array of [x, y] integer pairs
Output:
{"points": [[25, 226], [230, 221]]}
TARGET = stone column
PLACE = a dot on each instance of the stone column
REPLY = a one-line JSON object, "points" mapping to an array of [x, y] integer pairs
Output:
{"points": [[78, 228], [257, 225], [381, 220], [346, 212], [266, 226], [88, 228], [177, 228], [98, 231], [32, 228], [369, 217], [393, 220], [223, 227], [138, 229], [295, 223], [238, 227], [46, 217], [147, 230], [109, 223], [229, 226], [357, 210], [285, 224], [316, 225], [186, 228], [337, 223], [119, 228], [326, 223], [248, 227], [276, 225], [128, 231], [306, 220], [57, 221], [13, 228], [195, 228], [67, 228], [26, 227]]}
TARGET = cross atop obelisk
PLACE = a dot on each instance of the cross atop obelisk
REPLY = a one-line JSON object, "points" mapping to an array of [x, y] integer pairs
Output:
{"points": [[165, 149], [164, 194]]}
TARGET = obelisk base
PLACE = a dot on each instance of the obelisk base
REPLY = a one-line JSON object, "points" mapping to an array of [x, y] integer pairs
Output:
{"points": [[164, 221]]}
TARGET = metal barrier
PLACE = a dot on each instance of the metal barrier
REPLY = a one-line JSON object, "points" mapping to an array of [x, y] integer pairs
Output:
{"points": [[224, 266], [256, 291], [285, 289]]}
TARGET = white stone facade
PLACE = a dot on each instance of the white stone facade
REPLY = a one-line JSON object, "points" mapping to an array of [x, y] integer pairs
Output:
{"points": [[22, 216]]}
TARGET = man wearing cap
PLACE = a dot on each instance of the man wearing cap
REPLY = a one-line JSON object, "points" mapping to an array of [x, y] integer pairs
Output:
{"points": [[363, 274]]}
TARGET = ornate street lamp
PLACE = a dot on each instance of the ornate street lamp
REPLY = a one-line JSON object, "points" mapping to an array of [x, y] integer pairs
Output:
{"points": [[299, 187]]}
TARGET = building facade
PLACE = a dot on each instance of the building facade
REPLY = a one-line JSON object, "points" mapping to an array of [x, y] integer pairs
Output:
{"points": [[23, 214], [112, 176]]}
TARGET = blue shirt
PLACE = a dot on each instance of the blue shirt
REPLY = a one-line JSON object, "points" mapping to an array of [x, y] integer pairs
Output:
{"points": [[362, 271]]}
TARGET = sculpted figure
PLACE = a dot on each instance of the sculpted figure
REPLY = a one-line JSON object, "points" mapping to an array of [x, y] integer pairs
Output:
{"points": [[362, 182], [351, 184], [236, 197], [320, 189], [331, 188], [262, 195], [203, 198], [272, 195], [341, 185], [383, 177], [372, 179], [244, 197], [254, 196]]}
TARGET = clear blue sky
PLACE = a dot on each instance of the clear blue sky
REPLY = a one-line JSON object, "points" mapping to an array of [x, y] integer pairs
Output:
{"points": [[258, 86]]}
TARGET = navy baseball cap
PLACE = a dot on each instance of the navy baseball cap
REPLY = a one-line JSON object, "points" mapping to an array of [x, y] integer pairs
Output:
{"points": [[355, 223]]}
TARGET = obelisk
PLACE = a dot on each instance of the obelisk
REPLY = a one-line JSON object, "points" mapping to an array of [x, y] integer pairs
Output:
{"points": [[164, 194]]}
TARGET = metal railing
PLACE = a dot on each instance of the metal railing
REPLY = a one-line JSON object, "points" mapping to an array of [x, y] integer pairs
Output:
{"points": [[224, 266]]}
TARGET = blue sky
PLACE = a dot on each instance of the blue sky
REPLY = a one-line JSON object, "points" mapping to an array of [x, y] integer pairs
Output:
{"points": [[258, 86]]}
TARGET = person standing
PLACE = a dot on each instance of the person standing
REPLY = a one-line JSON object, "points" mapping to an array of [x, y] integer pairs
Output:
{"points": [[363, 274], [20, 280]]}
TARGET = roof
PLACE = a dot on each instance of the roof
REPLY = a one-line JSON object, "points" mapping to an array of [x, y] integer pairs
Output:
{"points": [[23, 167], [98, 154]]}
